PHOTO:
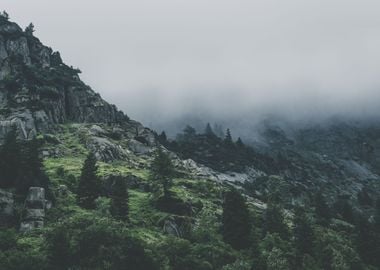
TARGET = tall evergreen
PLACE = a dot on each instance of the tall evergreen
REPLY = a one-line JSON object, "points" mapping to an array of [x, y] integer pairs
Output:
{"points": [[162, 138], [228, 139], [10, 159], [239, 143], [303, 234], [89, 186], [208, 131], [31, 166], [274, 221], [120, 199], [162, 171], [322, 210], [236, 225]]}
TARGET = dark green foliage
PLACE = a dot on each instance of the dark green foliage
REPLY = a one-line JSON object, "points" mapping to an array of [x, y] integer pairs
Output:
{"points": [[162, 171], [162, 138], [208, 131], [59, 250], [274, 221], [89, 242], [173, 204], [29, 30], [363, 198], [303, 235], [368, 242], [322, 210], [218, 153], [119, 199], [228, 139], [10, 159], [89, 186], [236, 224], [20, 164]]}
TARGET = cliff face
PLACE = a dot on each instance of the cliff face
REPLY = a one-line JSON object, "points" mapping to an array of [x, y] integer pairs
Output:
{"points": [[37, 90]]}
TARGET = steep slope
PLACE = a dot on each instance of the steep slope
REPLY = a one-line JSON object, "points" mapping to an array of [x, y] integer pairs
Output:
{"points": [[38, 91]]}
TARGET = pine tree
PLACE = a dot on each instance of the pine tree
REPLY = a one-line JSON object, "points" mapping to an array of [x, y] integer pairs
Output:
{"points": [[89, 186], [189, 133], [228, 139], [59, 251], [120, 199], [322, 209], [363, 198], [10, 159], [29, 30], [236, 225], [274, 221], [239, 143], [162, 171], [162, 138], [208, 131], [32, 167], [303, 233]]}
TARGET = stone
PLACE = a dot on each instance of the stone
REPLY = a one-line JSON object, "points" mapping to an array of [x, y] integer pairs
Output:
{"points": [[34, 210], [19, 47], [138, 147], [105, 150]]}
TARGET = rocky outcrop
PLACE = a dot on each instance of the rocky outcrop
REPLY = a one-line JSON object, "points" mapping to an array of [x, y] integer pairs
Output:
{"points": [[34, 210], [37, 90], [7, 205], [105, 150]]}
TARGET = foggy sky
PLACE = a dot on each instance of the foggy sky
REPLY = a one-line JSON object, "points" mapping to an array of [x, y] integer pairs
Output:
{"points": [[161, 59]]}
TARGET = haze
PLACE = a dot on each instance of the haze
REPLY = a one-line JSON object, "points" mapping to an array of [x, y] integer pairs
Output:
{"points": [[163, 60]]}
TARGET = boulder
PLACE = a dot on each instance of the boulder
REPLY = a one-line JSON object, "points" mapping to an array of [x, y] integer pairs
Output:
{"points": [[138, 147], [105, 150], [34, 211]]}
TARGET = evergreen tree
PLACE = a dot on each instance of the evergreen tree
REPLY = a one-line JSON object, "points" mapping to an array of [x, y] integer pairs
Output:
{"points": [[363, 198], [347, 212], [32, 167], [239, 143], [322, 209], [236, 226], [89, 186], [228, 139], [162, 138], [162, 171], [29, 30], [208, 131], [120, 199], [10, 159], [303, 235], [59, 251], [274, 221], [189, 133]]}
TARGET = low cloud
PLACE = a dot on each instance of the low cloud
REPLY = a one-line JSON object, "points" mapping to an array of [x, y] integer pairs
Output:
{"points": [[163, 60]]}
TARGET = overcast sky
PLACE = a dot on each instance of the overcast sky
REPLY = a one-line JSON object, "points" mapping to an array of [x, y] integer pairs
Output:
{"points": [[155, 58]]}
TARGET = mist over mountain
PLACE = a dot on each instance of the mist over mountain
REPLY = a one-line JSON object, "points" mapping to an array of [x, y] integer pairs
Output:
{"points": [[219, 61]]}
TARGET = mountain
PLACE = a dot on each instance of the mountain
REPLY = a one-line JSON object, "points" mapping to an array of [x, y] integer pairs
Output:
{"points": [[83, 186]]}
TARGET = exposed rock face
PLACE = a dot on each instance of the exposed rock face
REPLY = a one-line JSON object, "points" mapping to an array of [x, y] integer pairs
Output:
{"points": [[105, 150], [6, 207], [37, 90], [34, 212]]}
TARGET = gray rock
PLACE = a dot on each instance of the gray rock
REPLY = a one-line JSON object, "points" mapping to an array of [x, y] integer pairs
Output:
{"points": [[34, 212], [35, 198], [105, 150], [19, 47], [138, 147], [171, 228], [10, 28]]}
